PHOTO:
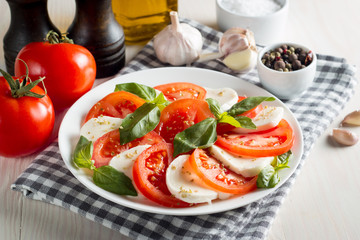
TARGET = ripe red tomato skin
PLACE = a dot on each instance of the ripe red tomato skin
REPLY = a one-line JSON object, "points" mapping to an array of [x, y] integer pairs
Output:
{"points": [[69, 70], [26, 123]]}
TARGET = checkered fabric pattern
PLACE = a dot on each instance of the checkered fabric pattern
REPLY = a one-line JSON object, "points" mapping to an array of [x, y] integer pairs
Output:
{"points": [[47, 178]]}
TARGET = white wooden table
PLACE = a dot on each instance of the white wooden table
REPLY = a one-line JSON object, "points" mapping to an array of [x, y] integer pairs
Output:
{"points": [[324, 202]]}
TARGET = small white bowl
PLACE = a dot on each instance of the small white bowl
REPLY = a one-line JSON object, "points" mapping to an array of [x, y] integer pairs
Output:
{"points": [[267, 28], [286, 85]]}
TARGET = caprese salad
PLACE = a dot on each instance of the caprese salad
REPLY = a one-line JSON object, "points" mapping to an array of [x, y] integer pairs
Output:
{"points": [[180, 144]]}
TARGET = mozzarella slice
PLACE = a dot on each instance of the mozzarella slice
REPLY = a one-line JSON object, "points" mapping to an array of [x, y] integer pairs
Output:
{"points": [[124, 161], [247, 167], [268, 118], [225, 96], [96, 127], [179, 184]]}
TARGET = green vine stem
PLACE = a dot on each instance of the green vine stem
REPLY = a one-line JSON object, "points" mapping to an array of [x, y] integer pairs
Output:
{"points": [[21, 89], [53, 38]]}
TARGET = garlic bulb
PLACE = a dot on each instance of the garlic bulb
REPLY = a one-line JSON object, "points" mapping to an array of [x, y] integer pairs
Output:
{"points": [[178, 43], [237, 50]]}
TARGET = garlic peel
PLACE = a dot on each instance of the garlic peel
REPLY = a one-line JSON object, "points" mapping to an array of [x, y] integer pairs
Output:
{"points": [[344, 137], [178, 43], [236, 39], [352, 118]]}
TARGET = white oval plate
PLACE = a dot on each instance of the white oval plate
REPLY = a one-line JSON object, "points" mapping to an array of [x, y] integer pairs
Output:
{"points": [[69, 134]]}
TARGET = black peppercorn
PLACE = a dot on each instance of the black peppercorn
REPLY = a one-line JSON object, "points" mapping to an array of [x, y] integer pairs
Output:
{"points": [[287, 58]]}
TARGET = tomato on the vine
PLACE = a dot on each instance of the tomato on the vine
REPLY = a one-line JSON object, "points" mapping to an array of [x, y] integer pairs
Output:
{"points": [[69, 69], [26, 117]]}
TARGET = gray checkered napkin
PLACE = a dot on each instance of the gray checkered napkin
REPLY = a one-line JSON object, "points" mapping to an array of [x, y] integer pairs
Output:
{"points": [[47, 178]]}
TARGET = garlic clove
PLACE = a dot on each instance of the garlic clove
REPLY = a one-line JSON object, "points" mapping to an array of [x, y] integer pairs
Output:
{"points": [[352, 118], [241, 61], [344, 137], [178, 43]]}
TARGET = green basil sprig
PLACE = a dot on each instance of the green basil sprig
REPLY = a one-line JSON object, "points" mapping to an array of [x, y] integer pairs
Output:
{"points": [[137, 124], [145, 92], [203, 134], [247, 104], [145, 118], [268, 176], [200, 135], [226, 117], [106, 177], [140, 90]]}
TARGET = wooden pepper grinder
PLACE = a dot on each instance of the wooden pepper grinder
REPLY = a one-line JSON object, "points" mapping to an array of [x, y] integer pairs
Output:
{"points": [[95, 28], [30, 22]]}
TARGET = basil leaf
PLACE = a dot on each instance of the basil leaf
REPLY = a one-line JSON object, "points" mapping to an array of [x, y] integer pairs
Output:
{"points": [[112, 180], [161, 101], [145, 92], [143, 120], [245, 122], [282, 160], [214, 106], [247, 104], [82, 154], [268, 177], [201, 135], [225, 118]]}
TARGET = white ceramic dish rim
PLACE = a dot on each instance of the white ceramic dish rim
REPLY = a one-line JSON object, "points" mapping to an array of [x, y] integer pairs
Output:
{"points": [[276, 45], [70, 128], [283, 8]]}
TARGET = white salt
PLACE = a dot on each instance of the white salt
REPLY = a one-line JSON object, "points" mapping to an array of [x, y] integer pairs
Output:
{"points": [[251, 7]]}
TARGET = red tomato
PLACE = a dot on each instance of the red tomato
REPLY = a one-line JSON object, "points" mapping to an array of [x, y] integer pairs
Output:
{"points": [[216, 176], [273, 142], [149, 174], [26, 123], [116, 104], [182, 90], [69, 70], [108, 146], [180, 115]]}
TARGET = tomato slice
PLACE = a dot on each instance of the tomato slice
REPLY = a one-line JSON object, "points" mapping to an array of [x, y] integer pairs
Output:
{"points": [[181, 90], [216, 176], [108, 145], [180, 115], [149, 173], [272, 142], [116, 104]]}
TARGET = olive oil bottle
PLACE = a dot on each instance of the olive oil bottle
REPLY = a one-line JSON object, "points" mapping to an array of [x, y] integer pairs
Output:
{"points": [[142, 19]]}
